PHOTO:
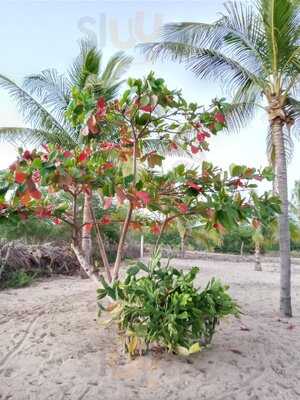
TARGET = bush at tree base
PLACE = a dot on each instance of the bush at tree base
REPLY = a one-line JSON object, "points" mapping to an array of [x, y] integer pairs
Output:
{"points": [[163, 306]]}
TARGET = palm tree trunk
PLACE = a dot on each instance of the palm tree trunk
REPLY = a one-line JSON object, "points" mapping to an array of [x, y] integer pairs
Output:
{"points": [[257, 266], [284, 234], [86, 240]]}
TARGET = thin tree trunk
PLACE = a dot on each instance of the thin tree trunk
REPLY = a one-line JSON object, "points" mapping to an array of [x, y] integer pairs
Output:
{"points": [[88, 269], [242, 248], [257, 265], [182, 247], [75, 230], [284, 234], [86, 240], [142, 247], [121, 244], [101, 247]]}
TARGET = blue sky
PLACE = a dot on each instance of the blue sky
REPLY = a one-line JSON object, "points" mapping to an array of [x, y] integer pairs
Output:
{"points": [[36, 35]]}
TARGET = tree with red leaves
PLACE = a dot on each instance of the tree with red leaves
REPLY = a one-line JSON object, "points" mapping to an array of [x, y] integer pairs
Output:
{"points": [[117, 160]]}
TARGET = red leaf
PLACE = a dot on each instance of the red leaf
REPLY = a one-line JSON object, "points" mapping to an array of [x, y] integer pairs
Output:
{"points": [[92, 124], [105, 220], [82, 156], [107, 146], [201, 136], [148, 108], [36, 176], [23, 216], [194, 149], [212, 127], [3, 206], [101, 107], [182, 207], [219, 117], [88, 227], [67, 154], [25, 198], [220, 228], [137, 226], [144, 197], [107, 165], [20, 177], [27, 155], [35, 194], [155, 229], [43, 212], [57, 221], [194, 185], [101, 103]]}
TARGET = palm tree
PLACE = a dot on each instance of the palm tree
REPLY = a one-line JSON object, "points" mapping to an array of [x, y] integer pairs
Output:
{"points": [[43, 100], [253, 50]]}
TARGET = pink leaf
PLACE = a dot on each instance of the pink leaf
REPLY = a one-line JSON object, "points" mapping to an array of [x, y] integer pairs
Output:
{"points": [[144, 197], [194, 149], [107, 203], [194, 185], [183, 208], [92, 124]]}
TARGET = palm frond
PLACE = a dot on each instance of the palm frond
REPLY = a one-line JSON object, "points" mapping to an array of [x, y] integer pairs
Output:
{"points": [[206, 64], [52, 89], [86, 64], [162, 148], [115, 68], [33, 112], [281, 29], [17, 135], [33, 137]]}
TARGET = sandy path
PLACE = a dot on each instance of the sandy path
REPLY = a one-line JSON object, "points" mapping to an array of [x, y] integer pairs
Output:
{"points": [[51, 346]]}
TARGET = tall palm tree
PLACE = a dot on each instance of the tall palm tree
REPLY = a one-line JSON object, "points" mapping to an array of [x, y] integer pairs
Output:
{"points": [[44, 98], [253, 50]]}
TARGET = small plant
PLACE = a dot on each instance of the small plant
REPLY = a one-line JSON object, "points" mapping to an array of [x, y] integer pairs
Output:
{"points": [[162, 306], [17, 279]]}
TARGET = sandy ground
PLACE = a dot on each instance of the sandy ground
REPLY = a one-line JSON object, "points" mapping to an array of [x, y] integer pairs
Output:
{"points": [[52, 347]]}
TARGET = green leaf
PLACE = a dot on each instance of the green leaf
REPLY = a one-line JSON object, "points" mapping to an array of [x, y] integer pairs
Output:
{"points": [[36, 163], [133, 270], [144, 100]]}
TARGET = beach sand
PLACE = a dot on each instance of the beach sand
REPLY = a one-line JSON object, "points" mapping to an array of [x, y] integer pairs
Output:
{"points": [[52, 346]]}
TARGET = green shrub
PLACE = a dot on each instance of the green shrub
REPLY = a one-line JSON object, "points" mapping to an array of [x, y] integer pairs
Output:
{"points": [[17, 279], [163, 306]]}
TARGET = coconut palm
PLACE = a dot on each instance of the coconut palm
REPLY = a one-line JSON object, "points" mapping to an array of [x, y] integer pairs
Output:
{"points": [[43, 100], [253, 50]]}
